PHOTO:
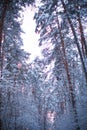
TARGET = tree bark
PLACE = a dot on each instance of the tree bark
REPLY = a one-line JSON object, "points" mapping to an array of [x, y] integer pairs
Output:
{"points": [[5, 6], [3, 14]]}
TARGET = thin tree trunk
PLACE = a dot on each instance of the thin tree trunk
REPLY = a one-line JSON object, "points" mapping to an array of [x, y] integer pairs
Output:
{"points": [[5, 5], [14, 95], [3, 14]]}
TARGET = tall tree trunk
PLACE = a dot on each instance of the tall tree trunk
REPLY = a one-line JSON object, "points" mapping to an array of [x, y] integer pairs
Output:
{"points": [[71, 89], [76, 39]]}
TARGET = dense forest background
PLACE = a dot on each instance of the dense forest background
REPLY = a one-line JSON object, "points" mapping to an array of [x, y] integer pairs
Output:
{"points": [[49, 93]]}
